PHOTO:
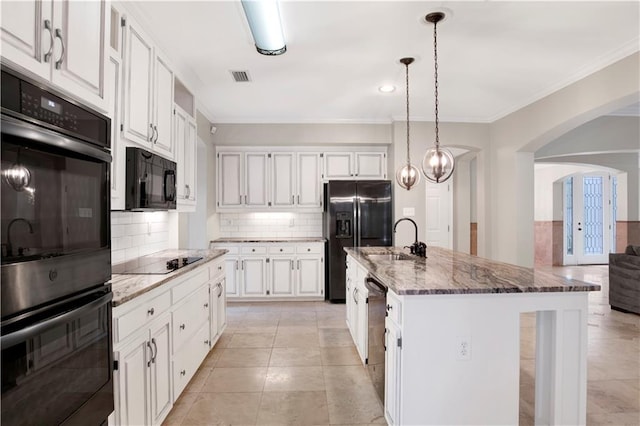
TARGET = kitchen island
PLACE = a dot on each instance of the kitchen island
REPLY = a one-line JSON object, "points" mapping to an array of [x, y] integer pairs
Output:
{"points": [[453, 338]]}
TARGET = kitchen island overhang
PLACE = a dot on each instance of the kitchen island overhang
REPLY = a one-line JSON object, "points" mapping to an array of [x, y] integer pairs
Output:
{"points": [[453, 297]]}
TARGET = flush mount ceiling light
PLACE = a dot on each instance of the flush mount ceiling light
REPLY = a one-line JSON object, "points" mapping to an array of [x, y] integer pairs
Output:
{"points": [[266, 27], [408, 175], [438, 163], [387, 88]]}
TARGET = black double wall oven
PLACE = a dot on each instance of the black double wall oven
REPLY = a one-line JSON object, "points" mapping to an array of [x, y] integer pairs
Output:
{"points": [[57, 356]]}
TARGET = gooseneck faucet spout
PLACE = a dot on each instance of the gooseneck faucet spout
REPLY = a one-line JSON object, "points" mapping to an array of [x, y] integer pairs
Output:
{"points": [[9, 245], [418, 248], [395, 225]]}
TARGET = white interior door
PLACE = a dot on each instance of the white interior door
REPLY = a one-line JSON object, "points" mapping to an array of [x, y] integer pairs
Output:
{"points": [[587, 219], [439, 214]]}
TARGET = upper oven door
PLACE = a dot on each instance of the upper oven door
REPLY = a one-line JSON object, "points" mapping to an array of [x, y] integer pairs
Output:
{"points": [[55, 222], [58, 364]]}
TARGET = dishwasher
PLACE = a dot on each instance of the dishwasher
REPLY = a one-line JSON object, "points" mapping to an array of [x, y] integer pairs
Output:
{"points": [[377, 310]]}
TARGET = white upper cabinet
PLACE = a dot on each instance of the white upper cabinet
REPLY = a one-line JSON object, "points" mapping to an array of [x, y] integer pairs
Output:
{"points": [[256, 180], [355, 165], [148, 101], [370, 165], [230, 180], [338, 165], [308, 182], [60, 41], [184, 140], [283, 179]]}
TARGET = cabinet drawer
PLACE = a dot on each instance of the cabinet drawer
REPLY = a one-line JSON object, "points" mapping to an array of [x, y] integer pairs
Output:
{"points": [[195, 279], [230, 249], [254, 250], [136, 318], [282, 249], [189, 316], [394, 308], [216, 269], [189, 358], [310, 248]]}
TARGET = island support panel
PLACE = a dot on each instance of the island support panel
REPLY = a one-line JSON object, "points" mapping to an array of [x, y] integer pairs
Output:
{"points": [[438, 386]]}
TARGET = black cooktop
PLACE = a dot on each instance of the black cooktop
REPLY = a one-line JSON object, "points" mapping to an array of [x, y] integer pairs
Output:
{"points": [[153, 265]]}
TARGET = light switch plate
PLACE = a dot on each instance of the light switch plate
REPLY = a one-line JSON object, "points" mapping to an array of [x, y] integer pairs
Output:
{"points": [[408, 211]]}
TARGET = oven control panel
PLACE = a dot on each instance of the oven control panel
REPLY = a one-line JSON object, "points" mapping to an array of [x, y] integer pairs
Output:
{"points": [[48, 110]]}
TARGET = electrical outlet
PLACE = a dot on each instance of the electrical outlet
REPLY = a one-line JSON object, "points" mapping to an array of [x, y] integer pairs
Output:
{"points": [[463, 348], [408, 211]]}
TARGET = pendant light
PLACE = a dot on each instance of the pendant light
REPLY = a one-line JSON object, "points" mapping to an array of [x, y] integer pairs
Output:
{"points": [[408, 175], [438, 163]]}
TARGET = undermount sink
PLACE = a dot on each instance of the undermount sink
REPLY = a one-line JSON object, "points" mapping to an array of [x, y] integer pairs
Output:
{"points": [[390, 256]]}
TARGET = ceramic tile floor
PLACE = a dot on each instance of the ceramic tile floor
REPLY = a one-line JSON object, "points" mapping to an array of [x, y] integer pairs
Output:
{"points": [[295, 363]]}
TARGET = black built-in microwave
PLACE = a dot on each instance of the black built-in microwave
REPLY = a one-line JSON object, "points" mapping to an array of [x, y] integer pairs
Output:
{"points": [[151, 181]]}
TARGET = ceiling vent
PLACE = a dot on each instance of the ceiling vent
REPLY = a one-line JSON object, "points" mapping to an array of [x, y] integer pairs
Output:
{"points": [[240, 76]]}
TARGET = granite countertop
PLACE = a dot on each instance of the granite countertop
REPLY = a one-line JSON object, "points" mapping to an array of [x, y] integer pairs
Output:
{"points": [[126, 287], [269, 240], [449, 272]]}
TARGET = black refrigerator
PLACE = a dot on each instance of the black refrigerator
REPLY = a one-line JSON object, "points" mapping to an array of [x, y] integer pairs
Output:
{"points": [[356, 214]]}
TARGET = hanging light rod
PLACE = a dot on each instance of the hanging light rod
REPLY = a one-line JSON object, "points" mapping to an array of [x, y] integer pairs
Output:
{"points": [[264, 21]]}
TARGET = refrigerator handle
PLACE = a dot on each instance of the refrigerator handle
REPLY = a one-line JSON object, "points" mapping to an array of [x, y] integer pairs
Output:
{"points": [[356, 222]]}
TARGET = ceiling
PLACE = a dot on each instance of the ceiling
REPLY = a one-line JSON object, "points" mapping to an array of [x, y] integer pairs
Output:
{"points": [[494, 57]]}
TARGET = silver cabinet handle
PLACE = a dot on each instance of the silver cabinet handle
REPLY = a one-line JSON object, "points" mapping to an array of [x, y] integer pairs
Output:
{"points": [[59, 61], [298, 198], [355, 298], [291, 265], [236, 265], [155, 128], [152, 133], [47, 26], [242, 265], [220, 287], [245, 199], [298, 264], [151, 350], [293, 199], [155, 350]]}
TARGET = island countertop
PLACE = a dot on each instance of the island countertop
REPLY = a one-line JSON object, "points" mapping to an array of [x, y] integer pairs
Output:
{"points": [[127, 287], [449, 272]]}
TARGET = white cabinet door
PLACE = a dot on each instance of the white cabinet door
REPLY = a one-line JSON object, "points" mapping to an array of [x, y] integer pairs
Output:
{"points": [[133, 382], [338, 165], [138, 53], [80, 28], [222, 306], [254, 276], [114, 74], [392, 373], [230, 182], [160, 370], [370, 165], [190, 162], [163, 109], [362, 328], [282, 276], [25, 40], [309, 279], [179, 129], [213, 310], [256, 179], [282, 179], [308, 178], [232, 274]]}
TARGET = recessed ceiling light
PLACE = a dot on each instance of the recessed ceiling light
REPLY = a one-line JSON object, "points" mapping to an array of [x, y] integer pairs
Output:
{"points": [[387, 88]]}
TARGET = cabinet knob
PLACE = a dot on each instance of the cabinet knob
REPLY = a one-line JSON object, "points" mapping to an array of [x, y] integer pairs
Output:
{"points": [[280, 249], [150, 311], [183, 372], [253, 249], [182, 326], [206, 305], [206, 342], [308, 249], [389, 307], [220, 268]]}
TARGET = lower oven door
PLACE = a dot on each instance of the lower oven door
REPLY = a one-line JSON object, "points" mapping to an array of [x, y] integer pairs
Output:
{"points": [[57, 363]]}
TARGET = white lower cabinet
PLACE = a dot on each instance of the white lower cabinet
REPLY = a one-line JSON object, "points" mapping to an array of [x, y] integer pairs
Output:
{"points": [[274, 270], [160, 340], [392, 359], [144, 375], [356, 305]]}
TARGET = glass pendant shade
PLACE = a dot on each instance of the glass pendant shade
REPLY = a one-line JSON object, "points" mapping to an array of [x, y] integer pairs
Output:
{"points": [[437, 165], [408, 176], [18, 177]]}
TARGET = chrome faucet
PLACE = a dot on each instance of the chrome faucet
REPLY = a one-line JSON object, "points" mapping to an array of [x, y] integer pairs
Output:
{"points": [[9, 245], [418, 248]]}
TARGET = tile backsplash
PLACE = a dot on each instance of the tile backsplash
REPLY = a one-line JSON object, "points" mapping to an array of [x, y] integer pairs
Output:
{"points": [[136, 234], [270, 224]]}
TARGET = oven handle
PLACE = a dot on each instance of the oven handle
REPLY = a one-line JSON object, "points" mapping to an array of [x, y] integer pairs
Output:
{"points": [[23, 334], [13, 126], [375, 286]]}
